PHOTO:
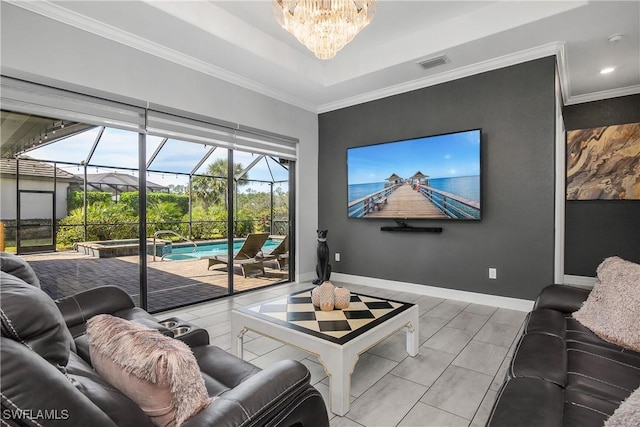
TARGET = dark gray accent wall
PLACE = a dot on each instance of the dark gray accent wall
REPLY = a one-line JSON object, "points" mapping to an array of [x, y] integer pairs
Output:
{"points": [[515, 107], [596, 229]]}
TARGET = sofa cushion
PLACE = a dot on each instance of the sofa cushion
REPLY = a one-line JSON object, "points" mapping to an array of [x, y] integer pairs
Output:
{"points": [[16, 266], [33, 389], [628, 414], [528, 401], [31, 317], [584, 410], [602, 372], [612, 309], [157, 372], [577, 332], [222, 370]]}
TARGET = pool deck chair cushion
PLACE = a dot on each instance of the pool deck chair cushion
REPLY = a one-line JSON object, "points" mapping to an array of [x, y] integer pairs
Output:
{"points": [[280, 254], [245, 258]]}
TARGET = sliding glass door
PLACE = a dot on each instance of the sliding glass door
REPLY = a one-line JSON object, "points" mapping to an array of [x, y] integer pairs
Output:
{"points": [[165, 206]]}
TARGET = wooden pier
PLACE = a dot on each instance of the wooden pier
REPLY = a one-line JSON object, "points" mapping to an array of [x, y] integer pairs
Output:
{"points": [[406, 202]]}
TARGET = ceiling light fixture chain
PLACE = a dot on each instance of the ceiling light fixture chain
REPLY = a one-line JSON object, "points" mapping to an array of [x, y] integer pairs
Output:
{"points": [[324, 26]]}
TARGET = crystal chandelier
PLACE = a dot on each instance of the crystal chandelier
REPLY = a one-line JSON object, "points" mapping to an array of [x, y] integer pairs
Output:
{"points": [[324, 26]]}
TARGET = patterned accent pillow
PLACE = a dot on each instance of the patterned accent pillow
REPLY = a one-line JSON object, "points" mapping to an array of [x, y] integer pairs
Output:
{"points": [[612, 310], [627, 414], [157, 372]]}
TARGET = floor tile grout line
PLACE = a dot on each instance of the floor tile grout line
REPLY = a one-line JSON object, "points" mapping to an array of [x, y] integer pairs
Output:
{"points": [[234, 304]]}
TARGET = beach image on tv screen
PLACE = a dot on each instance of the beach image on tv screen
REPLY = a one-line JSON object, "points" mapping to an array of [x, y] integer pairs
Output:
{"points": [[434, 177]]}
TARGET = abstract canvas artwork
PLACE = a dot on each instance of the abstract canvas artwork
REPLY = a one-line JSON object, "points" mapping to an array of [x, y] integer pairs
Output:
{"points": [[604, 163]]}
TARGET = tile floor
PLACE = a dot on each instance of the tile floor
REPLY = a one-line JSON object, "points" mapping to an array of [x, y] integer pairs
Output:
{"points": [[464, 353]]}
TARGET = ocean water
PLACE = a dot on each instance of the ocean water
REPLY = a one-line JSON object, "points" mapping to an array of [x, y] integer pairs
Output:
{"points": [[356, 191], [465, 186]]}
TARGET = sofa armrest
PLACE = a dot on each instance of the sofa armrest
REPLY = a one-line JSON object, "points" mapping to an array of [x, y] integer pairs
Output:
{"points": [[279, 392], [78, 308], [527, 402], [566, 299]]}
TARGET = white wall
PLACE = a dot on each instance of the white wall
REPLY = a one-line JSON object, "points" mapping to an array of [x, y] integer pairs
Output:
{"points": [[46, 51], [29, 210]]}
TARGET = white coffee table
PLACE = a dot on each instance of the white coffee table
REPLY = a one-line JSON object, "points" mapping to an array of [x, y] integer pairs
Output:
{"points": [[337, 337]]}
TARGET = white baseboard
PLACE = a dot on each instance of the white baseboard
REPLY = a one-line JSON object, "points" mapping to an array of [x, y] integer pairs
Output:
{"points": [[433, 291], [581, 281]]}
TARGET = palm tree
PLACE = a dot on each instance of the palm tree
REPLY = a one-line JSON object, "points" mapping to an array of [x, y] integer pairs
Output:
{"points": [[212, 188]]}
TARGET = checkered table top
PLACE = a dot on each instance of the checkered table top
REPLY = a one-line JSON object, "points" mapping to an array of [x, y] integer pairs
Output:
{"points": [[339, 326]]}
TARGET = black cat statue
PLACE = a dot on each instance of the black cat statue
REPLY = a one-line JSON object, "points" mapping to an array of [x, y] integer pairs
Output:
{"points": [[323, 268]]}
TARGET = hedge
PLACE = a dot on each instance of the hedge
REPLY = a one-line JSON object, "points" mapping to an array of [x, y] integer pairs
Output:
{"points": [[75, 199]]}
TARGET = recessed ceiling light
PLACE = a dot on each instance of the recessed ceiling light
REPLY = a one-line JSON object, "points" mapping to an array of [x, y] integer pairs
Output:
{"points": [[607, 70], [615, 38]]}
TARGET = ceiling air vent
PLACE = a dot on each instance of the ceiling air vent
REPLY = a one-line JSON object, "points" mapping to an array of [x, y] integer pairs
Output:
{"points": [[434, 62]]}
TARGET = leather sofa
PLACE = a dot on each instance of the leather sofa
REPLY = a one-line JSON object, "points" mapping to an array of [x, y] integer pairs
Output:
{"points": [[561, 373], [47, 377]]}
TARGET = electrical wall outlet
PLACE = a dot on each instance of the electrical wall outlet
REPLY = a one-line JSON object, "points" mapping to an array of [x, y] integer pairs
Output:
{"points": [[493, 273], [338, 256]]}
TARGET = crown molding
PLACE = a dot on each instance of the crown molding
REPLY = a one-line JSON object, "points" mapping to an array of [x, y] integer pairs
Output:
{"points": [[550, 49], [101, 29], [605, 94]]}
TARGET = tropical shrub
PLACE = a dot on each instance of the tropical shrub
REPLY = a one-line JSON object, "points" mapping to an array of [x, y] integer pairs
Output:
{"points": [[131, 200], [75, 199], [163, 215], [105, 221], [209, 224]]}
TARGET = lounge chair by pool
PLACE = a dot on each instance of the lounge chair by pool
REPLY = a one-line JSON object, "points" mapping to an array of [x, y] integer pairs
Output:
{"points": [[280, 254], [245, 258]]}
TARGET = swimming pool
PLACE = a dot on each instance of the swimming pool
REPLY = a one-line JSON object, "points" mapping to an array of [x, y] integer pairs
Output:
{"points": [[184, 251]]}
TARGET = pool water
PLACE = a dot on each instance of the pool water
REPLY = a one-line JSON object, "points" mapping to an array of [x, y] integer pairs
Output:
{"points": [[178, 253]]}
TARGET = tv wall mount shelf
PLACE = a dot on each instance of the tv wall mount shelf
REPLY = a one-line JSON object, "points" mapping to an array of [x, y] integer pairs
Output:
{"points": [[402, 226]]}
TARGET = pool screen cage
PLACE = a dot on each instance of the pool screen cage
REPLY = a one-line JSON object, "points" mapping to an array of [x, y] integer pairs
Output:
{"points": [[52, 167]]}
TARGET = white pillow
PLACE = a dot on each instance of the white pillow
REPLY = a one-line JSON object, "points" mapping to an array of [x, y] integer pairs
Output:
{"points": [[627, 414], [612, 310]]}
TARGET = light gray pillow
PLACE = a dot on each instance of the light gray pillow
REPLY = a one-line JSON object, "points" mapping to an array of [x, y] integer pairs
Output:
{"points": [[627, 414], [612, 309]]}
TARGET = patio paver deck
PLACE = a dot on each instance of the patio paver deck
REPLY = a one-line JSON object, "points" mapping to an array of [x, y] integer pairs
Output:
{"points": [[170, 283]]}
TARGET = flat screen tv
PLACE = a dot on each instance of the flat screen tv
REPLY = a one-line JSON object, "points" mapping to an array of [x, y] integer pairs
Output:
{"points": [[433, 177]]}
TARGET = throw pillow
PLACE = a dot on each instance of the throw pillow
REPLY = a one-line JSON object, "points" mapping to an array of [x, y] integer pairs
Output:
{"points": [[157, 372], [612, 309], [627, 414]]}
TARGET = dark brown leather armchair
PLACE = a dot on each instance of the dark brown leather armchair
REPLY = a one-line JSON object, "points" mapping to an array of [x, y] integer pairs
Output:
{"points": [[47, 378]]}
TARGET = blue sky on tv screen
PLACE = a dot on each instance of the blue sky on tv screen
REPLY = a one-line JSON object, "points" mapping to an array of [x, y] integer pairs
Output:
{"points": [[442, 156]]}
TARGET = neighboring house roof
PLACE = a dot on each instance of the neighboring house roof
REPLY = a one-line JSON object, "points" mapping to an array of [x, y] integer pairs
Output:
{"points": [[393, 177], [99, 181], [119, 181], [34, 168]]}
